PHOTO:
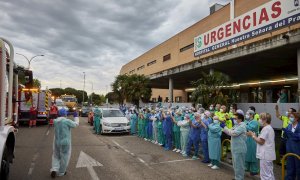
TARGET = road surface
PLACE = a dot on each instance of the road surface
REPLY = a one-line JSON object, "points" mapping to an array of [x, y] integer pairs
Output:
{"points": [[109, 157]]}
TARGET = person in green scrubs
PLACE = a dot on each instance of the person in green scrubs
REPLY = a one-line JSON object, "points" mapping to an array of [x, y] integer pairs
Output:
{"points": [[251, 162]]}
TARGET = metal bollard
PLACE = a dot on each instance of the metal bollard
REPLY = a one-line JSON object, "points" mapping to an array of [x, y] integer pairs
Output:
{"points": [[222, 145], [283, 163]]}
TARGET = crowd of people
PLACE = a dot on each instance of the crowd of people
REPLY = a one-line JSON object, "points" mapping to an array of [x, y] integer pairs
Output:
{"points": [[251, 135]]}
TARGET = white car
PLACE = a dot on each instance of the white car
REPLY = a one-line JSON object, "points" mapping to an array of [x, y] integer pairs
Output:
{"points": [[114, 121]]}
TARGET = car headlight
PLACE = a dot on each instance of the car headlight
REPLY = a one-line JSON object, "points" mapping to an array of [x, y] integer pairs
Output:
{"points": [[128, 124], [106, 124]]}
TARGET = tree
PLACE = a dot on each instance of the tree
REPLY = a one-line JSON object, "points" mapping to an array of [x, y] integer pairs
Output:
{"points": [[209, 89], [96, 99], [57, 92], [133, 88], [119, 87], [112, 97], [139, 89], [36, 83]]}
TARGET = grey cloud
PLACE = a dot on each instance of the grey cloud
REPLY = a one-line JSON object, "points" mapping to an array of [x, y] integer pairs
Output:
{"points": [[95, 36]]}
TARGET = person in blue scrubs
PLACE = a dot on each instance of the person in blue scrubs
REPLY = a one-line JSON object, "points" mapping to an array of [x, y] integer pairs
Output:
{"points": [[203, 135], [194, 136], [167, 130], [293, 146]]}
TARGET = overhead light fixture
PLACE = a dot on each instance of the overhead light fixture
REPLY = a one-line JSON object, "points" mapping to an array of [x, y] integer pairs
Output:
{"points": [[287, 86]]}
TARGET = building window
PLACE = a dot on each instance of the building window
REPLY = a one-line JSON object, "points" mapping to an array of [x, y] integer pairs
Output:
{"points": [[167, 57], [151, 63], [141, 67], [178, 99], [187, 47], [131, 72]]}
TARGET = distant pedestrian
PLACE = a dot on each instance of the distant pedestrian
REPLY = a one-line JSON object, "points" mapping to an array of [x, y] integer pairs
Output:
{"points": [[33, 116], [53, 113], [62, 143]]}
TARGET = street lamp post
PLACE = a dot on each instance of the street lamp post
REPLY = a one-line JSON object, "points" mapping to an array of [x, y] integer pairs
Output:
{"points": [[83, 88], [29, 60]]}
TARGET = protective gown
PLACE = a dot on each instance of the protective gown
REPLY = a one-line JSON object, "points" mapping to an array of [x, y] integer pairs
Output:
{"points": [[251, 160], [184, 133], [97, 120], [62, 144], [238, 148], [133, 121], [214, 143]]}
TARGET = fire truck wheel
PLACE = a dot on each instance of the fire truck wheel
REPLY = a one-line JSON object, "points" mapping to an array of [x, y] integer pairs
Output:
{"points": [[4, 165]]}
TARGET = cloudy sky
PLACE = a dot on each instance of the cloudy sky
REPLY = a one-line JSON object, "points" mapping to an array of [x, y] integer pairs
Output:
{"points": [[92, 36]]}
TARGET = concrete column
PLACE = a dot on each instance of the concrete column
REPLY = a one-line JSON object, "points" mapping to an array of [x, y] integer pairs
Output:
{"points": [[232, 14], [170, 90], [298, 62]]}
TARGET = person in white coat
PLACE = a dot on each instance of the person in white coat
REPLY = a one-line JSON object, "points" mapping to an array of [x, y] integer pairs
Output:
{"points": [[265, 150]]}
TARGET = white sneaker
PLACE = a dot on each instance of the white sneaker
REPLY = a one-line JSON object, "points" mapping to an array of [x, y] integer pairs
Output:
{"points": [[174, 150], [178, 150], [156, 142], [210, 165], [215, 167]]}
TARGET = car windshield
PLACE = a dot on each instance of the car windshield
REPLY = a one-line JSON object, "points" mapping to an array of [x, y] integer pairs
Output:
{"points": [[59, 103], [112, 113], [69, 99]]}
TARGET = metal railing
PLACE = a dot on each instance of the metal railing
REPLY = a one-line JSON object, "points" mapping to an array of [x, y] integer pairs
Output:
{"points": [[283, 163], [222, 147]]}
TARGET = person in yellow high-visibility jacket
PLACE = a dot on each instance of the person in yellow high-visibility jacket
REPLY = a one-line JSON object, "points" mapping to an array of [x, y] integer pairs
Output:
{"points": [[285, 122], [224, 118]]}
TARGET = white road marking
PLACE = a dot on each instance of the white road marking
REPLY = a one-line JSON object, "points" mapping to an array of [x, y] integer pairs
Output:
{"points": [[87, 161], [142, 161], [132, 154], [32, 165], [47, 133], [93, 173], [173, 161], [30, 170]]}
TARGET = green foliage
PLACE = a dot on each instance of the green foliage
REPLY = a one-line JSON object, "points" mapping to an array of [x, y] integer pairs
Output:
{"points": [[36, 83], [96, 99], [112, 97], [209, 89], [133, 88], [70, 91]]}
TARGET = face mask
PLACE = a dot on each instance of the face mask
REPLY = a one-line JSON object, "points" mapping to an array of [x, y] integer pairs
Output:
{"points": [[247, 116], [287, 113], [261, 122], [292, 120], [221, 110], [216, 121], [211, 108]]}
